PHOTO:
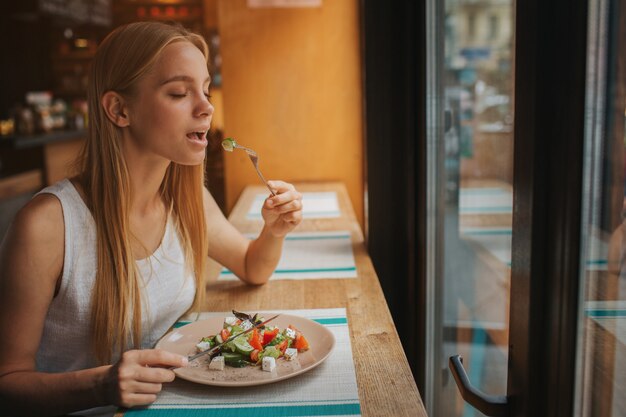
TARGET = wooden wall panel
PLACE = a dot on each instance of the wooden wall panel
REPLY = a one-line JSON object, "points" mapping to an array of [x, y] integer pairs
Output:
{"points": [[210, 14], [292, 92]]}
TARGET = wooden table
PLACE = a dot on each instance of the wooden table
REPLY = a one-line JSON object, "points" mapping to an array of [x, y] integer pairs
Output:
{"points": [[385, 382]]}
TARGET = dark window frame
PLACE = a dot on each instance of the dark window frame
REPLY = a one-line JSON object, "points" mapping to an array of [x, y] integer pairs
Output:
{"points": [[551, 49]]}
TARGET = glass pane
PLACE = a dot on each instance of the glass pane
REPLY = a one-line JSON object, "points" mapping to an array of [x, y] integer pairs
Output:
{"points": [[601, 370], [475, 92]]}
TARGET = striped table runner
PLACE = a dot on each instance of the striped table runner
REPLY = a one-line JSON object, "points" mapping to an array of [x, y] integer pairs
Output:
{"points": [[314, 205], [328, 390], [313, 255]]}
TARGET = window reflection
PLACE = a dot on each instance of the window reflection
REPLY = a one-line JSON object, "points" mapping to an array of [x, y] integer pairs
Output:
{"points": [[478, 98], [601, 386], [604, 278]]}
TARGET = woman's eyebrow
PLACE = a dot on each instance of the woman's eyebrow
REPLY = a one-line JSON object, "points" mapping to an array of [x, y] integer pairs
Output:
{"points": [[184, 78]]}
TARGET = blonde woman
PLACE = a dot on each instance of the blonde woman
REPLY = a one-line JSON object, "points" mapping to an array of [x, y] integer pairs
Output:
{"points": [[95, 269]]}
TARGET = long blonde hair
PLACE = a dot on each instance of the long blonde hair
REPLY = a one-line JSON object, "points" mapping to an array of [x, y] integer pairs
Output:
{"points": [[123, 57]]}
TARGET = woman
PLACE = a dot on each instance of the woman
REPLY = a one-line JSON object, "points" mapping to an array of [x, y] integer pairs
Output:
{"points": [[95, 269]]}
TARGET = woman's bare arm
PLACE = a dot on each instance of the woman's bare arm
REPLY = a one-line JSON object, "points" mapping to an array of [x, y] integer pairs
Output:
{"points": [[31, 263], [254, 261]]}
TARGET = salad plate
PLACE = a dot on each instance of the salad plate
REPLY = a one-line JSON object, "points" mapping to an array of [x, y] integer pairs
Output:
{"points": [[183, 341]]}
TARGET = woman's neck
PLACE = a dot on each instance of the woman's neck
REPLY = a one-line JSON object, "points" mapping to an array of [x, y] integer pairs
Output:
{"points": [[148, 213], [145, 184], [146, 172]]}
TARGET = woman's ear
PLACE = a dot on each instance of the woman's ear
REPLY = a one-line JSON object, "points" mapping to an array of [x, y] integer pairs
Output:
{"points": [[114, 106]]}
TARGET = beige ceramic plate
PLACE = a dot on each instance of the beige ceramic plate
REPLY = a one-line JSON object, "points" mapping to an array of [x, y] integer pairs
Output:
{"points": [[184, 339]]}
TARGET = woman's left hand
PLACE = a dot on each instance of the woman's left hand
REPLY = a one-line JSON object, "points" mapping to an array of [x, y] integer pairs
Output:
{"points": [[282, 212]]}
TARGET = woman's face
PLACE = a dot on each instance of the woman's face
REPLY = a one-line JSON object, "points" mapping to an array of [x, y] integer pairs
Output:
{"points": [[170, 114]]}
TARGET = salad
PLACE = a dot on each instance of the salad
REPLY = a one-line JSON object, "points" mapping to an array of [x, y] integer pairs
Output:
{"points": [[229, 144], [254, 347]]}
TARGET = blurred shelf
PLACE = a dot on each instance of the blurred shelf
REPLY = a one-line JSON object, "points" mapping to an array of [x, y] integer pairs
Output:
{"points": [[30, 141], [127, 3]]}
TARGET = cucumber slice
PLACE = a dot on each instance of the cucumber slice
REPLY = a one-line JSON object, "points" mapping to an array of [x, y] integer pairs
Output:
{"points": [[242, 346], [232, 356], [238, 364], [229, 144], [218, 339], [236, 360]]}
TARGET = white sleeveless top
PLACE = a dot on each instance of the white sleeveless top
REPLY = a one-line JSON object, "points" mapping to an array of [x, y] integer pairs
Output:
{"points": [[167, 291]]}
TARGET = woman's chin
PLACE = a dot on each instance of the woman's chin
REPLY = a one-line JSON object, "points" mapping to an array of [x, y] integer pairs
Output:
{"points": [[191, 161]]}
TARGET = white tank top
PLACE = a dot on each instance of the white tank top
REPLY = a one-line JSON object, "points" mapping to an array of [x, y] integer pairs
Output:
{"points": [[167, 292]]}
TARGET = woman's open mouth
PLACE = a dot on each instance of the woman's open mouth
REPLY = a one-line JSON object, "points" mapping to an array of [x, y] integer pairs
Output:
{"points": [[198, 137]]}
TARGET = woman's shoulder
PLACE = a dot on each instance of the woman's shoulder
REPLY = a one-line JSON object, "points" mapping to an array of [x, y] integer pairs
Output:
{"points": [[32, 251], [40, 219]]}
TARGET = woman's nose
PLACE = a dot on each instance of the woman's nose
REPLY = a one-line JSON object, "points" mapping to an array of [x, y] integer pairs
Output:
{"points": [[204, 107]]}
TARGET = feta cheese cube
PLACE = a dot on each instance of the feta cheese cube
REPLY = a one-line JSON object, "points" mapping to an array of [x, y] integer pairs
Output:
{"points": [[217, 363], [246, 324], [291, 353], [269, 364], [290, 333], [202, 346], [230, 321]]}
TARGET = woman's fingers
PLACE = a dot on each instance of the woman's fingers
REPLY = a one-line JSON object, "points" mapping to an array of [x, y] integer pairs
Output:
{"points": [[139, 375], [147, 365], [293, 217], [132, 393], [280, 186], [283, 212], [157, 357], [290, 206], [155, 375], [134, 400], [285, 196], [146, 388]]}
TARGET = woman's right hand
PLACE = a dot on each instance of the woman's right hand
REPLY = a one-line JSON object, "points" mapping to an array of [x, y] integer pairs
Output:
{"points": [[137, 377]]}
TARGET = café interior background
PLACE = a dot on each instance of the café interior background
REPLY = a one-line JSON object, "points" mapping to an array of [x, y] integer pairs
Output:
{"points": [[289, 83], [286, 82]]}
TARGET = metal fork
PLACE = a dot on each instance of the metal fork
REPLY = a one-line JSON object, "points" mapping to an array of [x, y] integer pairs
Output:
{"points": [[255, 161]]}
